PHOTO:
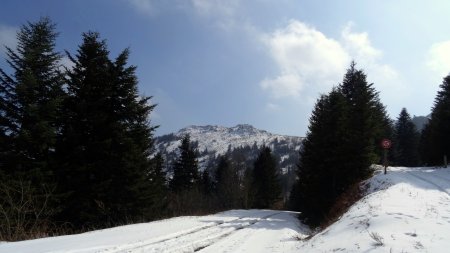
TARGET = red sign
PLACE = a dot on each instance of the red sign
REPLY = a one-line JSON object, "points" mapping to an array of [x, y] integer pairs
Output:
{"points": [[386, 143]]}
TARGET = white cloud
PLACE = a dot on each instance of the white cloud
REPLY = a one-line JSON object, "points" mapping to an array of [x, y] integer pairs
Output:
{"points": [[307, 59], [283, 85], [359, 46], [7, 37], [310, 62], [438, 58]]}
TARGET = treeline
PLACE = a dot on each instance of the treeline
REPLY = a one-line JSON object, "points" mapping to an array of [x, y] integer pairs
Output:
{"points": [[223, 187], [76, 147], [346, 128]]}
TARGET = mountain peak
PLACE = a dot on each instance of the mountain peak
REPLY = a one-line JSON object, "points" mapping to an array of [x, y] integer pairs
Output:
{"points": [[218, 140]]}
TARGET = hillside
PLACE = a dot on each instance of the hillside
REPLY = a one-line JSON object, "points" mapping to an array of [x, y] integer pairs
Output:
{"points": [[407, 210], [212, 141], [241, 144]]}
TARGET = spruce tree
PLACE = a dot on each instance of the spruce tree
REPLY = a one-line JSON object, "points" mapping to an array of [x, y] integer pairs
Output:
{"points": [[206, 184], [106, 139], [406, 141], [435, 143], [159, 189], [345, 129], [266, 183], [322, 170], [227, 184], [368, 122], [31, 101], [185, 169]]}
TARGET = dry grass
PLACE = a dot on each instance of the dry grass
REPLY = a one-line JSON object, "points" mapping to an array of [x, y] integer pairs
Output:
{"points": [[342, 204]]}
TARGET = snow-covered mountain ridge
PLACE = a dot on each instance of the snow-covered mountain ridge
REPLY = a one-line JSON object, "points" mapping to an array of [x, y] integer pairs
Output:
{"points": [[212, 141], [220, 139]]}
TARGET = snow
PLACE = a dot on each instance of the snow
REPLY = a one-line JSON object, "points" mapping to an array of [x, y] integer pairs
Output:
{"points": [[407, 210], [235, 230], [219, 138]]}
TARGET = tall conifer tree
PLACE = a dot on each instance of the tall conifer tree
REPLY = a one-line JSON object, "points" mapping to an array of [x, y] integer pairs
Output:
{"points": [[106, 139], [266, 183], [31, 100], [368, 122], [30, 103], [185, 169], [322, 170], [341, 144], [406, 141], [227, 184], [435, 142]]}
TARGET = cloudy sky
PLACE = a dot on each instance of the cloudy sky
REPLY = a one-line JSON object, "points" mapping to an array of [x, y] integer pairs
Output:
{"points": [[261, 62]]}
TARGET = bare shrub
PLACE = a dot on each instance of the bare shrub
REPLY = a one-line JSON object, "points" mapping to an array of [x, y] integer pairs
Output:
{"points": [[25, 210], [378, 239]]}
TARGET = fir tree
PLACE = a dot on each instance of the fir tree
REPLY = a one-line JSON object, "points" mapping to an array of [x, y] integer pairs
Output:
{"points": [[159, 189], [31, 100], [322, 170], [435, 143], [206, 184], [106, 139], [341, 144], [266, 183], [406, 141], [30, 103], [227, 184], [368, 122], [185, 169]]}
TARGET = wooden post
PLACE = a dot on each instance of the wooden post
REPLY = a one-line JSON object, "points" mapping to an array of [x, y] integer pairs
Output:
{"points": [[386, 144]]}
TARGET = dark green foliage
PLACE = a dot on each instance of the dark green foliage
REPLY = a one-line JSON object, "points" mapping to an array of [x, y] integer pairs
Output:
{"points": [[406, 141], [30, 103], [31, 100], [159, 189], [106, 139], [345, 130], [435, 142], [266, 185], [368, 122], [185, 169], [227, 184], [206, 184], [323, 172]]}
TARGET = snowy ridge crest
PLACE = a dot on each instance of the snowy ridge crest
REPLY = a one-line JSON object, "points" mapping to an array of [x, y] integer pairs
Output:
{"points": [[212, 141]]}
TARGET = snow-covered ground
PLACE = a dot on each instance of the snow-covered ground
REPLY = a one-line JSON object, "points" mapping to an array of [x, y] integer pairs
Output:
{"points": [[231, 231], [407, 210]]}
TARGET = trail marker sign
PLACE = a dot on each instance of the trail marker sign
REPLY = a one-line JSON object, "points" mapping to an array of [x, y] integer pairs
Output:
{"points": [[386, 143]]}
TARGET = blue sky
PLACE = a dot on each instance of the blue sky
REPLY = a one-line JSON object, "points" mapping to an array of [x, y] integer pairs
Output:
{"points": [[261, 62]]}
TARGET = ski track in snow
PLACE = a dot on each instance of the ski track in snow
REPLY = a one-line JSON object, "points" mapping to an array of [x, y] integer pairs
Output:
{"points": [[430, 181], [195, 240]]}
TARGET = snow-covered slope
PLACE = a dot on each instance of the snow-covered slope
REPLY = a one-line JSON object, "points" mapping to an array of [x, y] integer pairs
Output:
{"points": [[212, 141], [220, 139], [407, 210]]}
